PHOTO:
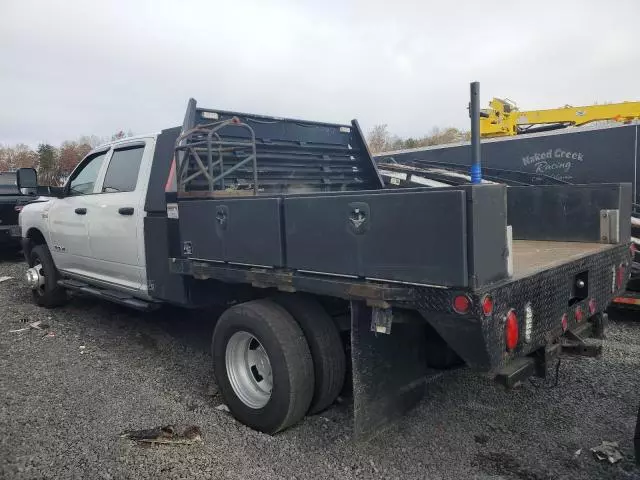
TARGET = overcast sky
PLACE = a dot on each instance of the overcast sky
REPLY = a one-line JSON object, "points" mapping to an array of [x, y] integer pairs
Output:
{"points": [[77, 67]]}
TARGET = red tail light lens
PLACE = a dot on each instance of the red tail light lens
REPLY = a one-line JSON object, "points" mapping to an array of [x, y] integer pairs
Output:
{"points": [[592, 306], [620, 274], [487, 305], [565, 322], [579, 314], [461, 304], [634, 248], [18, 208], [511, 330]]}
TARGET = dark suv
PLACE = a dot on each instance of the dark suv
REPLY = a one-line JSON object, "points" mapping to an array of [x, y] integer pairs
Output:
{"points": [[12, 199]]}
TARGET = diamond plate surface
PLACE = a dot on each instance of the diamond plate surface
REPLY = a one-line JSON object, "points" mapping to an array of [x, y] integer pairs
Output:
{"points": [[548, 292]]}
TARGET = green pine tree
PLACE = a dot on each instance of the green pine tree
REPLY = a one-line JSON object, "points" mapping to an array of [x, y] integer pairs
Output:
{"points": [[47, 165]]}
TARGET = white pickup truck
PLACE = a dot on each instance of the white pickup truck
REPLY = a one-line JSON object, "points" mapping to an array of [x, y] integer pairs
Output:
{"points": [[94, 230], [290, 225]]}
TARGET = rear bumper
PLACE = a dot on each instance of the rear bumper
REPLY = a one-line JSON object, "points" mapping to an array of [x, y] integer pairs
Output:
{"points": [[541, 362], [549, 295]]}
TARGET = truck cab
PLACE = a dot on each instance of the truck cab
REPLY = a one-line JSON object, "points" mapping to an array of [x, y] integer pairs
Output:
{"points": [[93, 225]]}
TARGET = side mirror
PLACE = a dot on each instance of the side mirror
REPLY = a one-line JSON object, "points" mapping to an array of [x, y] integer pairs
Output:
{"points": [[27, 180]]}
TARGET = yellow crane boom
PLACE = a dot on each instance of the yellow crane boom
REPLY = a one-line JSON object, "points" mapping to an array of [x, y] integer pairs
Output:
{"points": [[503, 118]]}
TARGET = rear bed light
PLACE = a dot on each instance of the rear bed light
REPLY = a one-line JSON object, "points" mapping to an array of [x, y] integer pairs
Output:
{"points": [[528, 322], [592, 306], [487, 305], [511, 330], [564, 322], [462, 304], [579, 314]]}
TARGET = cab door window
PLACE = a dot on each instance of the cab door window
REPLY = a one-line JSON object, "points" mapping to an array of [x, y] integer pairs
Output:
{"points": [[122, 172], [83, 180]]}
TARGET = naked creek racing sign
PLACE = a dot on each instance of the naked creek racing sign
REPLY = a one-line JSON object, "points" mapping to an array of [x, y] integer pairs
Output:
{"points": [[554, 162], [578, 156]]}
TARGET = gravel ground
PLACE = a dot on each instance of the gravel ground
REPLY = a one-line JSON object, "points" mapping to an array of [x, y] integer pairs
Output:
{"points": [[65, 399]]}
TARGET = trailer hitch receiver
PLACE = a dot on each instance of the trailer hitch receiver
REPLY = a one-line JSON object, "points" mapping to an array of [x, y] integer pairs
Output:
{"points": [[542, 361]]}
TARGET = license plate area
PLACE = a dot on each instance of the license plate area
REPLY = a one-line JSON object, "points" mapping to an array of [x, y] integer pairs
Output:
{"points": [[579, 287]]}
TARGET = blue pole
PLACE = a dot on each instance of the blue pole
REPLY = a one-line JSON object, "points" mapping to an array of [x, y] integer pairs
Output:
{"points": [[474, 112]]}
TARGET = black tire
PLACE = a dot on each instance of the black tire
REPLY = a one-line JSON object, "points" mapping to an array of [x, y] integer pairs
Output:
{"points": [[51, 295], [289, 358], [326, 347]]}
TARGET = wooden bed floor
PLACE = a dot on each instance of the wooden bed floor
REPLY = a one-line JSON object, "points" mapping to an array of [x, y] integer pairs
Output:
{"points": [[530, 256]]}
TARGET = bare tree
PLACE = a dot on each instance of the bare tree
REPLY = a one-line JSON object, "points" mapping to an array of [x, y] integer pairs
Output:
{"points": [[18, 156], [121, 134], [443, 136], [70, 155], [378, 138], [91, 140]]}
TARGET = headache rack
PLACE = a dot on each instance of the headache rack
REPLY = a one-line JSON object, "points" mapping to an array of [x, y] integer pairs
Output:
{"points": [[206, 140], [223, 153]]}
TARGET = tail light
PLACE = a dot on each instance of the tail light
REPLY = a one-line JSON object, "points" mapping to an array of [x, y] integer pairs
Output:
{"points": [[18, 208], [579, 314], [620, 275], [564, 322], [592, 306], [487, 305], [511, 330], [462, 304], [633, 248]]}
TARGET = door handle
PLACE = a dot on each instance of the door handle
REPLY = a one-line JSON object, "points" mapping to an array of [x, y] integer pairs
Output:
{"points": [[125, 211], [81, 211]]}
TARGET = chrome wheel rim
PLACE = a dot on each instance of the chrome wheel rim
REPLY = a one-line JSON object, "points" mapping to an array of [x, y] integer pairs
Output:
{"points": [[249, 369], [35, 278]]}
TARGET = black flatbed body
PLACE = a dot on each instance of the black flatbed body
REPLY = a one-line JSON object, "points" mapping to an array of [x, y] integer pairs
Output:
{"points": [[299, 205], [241, 206]]}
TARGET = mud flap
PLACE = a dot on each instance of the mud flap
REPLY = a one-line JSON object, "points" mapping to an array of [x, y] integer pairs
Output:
{"points": [[388, 369]]}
